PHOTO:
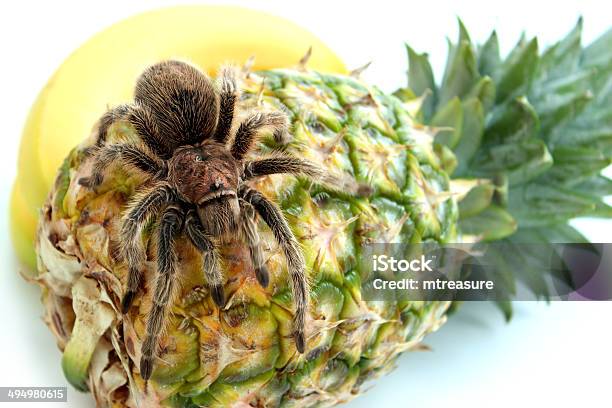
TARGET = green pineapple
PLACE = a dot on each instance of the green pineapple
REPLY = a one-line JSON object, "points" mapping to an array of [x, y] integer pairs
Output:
{"points": [[503, 149]]}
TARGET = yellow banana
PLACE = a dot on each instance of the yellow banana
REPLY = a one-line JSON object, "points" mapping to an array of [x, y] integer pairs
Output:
{"points": [[23, 227], [102, 73]]}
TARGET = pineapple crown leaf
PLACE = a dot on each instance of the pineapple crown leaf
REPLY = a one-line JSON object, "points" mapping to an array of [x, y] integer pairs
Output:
{"points": [[541, 120]]}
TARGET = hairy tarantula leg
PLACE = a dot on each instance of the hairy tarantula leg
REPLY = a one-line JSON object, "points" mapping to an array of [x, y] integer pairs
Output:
{"points": [[110, 117], [283, 163], [134, 280], [132, 157], [199, 239], [251, 126], [230, 94], [272, 215], [143, 121], [249, 229], [133, 251], [169, 228]]}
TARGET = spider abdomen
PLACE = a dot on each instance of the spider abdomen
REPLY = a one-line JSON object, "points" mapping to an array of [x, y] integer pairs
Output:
{"points": [[182, 100]]}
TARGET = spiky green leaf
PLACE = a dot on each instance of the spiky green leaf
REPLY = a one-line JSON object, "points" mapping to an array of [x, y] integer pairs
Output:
{"points": [[488, 56], [421, 80], [449, 120], [492, 224], [461, 74], [513, 121], [517, 71], [471, 134], [562, 57]]}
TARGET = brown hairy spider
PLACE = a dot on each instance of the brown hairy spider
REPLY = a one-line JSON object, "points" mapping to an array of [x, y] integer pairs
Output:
{"points": [[197, 185]]}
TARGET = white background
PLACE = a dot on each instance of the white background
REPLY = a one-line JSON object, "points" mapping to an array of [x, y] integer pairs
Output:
{"points": [[550, 355]]}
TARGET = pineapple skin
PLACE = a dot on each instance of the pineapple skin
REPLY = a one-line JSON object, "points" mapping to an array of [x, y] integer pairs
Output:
{"points": [[244, 353]]}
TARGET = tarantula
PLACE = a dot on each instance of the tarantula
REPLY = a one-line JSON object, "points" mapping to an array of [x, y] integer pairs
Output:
{"points": [[193, 159]]}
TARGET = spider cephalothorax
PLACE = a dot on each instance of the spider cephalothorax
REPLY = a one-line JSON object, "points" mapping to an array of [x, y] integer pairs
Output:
{"points": [[195, 162], [208, 176], [203, 173]]}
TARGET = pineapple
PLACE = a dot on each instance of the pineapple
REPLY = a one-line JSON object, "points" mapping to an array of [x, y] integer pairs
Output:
{"points": [[502, 150]]}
